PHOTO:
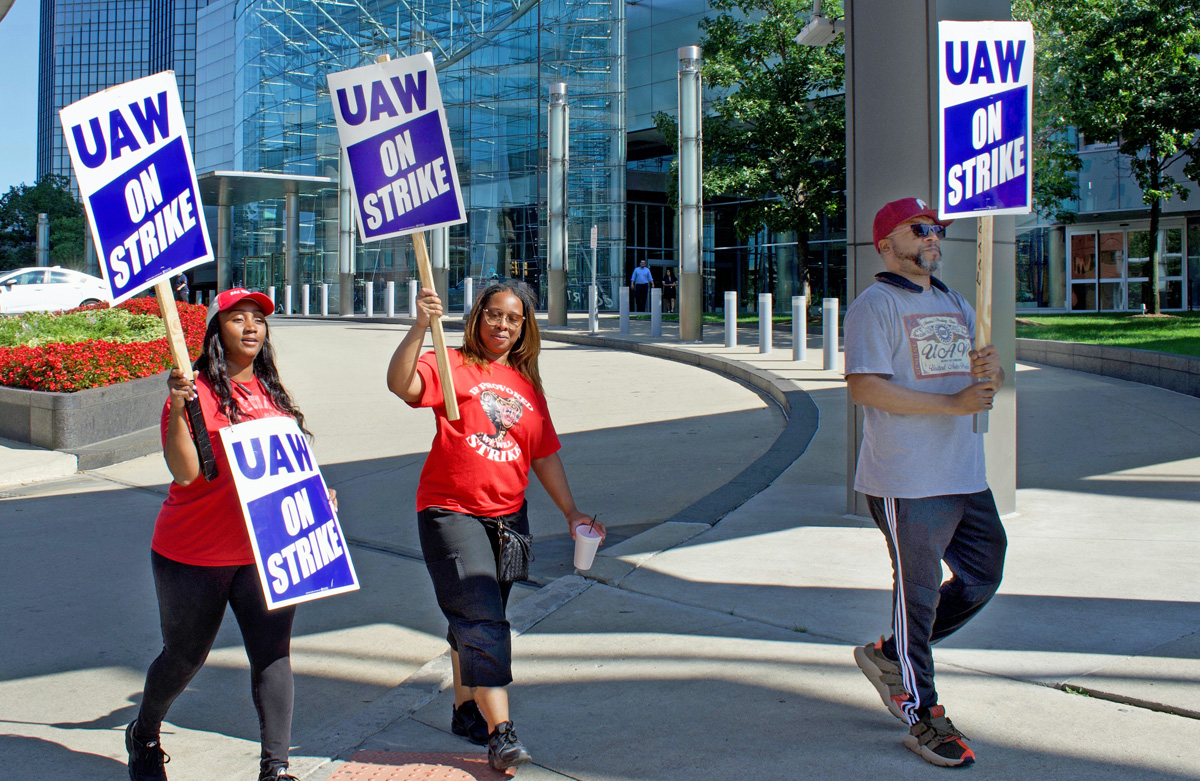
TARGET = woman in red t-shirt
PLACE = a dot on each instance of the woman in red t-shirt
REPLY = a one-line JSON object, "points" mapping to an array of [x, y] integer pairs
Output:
{"points": [[474, 483], [201, 554]]}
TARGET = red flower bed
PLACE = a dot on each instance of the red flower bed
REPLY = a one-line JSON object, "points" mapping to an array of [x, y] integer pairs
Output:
{"points": [[96, 363]]}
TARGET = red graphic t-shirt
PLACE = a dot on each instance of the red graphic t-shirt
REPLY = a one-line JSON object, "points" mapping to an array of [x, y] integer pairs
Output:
{"points": [[201, 523], [479, 464]]}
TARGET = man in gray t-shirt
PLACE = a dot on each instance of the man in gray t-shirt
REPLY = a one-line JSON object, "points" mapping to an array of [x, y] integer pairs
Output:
{"points": [[912, 366]]}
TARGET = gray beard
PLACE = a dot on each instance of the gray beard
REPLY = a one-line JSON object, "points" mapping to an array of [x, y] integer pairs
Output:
{"points": [[931, 265]]}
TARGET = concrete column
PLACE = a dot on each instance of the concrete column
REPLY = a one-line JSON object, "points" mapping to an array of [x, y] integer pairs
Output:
{"points": [[224, 267], [291, 239], [691, 197], [656, 312], [731, 298], [799, 328], [892, 72], [412, 297], [43, 240], [305, 298], [287, 299], [324, 299], [91, 265], [345, 238], [624, 309], [369, 298], [765, 311], [468, 296], [391, 298], [439, 261], [556, 204], [829, 332]]}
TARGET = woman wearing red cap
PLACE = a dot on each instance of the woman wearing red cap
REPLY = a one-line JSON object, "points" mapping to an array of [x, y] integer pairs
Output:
{"points": [[201, 554]]}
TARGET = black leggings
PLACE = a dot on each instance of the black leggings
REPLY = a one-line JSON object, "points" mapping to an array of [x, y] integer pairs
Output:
{"points": [[191, 604]]}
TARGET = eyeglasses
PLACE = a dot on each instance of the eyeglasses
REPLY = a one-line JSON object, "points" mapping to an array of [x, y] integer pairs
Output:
{"points": [[922, 230], [496, 317]]}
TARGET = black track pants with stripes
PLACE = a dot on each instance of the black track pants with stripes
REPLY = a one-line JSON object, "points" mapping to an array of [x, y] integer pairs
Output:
{"points": [[964, 530]]}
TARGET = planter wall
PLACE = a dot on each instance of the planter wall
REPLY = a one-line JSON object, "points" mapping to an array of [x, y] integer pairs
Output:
{"points": [[70, 421], [1179, 373]]}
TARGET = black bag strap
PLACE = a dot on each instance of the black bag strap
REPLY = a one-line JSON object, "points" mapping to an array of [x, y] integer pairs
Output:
{"points": [[195, 416]]}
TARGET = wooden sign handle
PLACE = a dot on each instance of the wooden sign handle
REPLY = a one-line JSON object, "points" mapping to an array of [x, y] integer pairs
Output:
{"points": [[177, 345], [983, 302], [425, 271]]}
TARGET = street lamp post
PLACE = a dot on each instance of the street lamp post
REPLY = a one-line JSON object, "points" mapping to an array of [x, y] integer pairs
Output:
{"points": [[556, 198], [691, 202]]}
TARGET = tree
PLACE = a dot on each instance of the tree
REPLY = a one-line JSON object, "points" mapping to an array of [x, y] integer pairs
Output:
{"points": [[19, 209], [1128, 71], [776, 131]]}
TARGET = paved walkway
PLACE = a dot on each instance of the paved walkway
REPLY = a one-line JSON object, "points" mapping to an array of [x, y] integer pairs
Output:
{"points": [[710, 651]]}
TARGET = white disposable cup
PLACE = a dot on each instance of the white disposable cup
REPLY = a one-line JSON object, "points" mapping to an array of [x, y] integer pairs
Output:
{"points": [[587, 540]]}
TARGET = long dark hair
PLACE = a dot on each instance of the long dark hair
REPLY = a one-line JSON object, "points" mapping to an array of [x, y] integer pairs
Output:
{"points": [[211, 364], [523, 357]]}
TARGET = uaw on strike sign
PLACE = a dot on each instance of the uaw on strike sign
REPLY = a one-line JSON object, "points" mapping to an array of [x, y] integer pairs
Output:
{"points": [[986, 106], [131, 156], [392, 124], [297, 540]]}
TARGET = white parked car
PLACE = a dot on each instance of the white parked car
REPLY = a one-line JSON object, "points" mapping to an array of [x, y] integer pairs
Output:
{"points": [[48, 290]]}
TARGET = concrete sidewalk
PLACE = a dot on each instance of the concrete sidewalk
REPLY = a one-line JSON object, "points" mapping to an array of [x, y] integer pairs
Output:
{"points": [[712, 639], [701, 651]]}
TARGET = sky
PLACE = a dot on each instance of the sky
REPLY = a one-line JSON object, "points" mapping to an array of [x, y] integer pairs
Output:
{"points": [[18, 94]]}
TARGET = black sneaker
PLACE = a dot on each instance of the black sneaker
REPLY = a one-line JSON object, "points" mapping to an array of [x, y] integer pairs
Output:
{"points": [[468, 722], [505, 749], [936, 741], [276, 772], [146, 758]]}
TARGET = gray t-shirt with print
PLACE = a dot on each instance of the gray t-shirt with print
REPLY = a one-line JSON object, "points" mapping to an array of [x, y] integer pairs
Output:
{"points": [[918, 339]]}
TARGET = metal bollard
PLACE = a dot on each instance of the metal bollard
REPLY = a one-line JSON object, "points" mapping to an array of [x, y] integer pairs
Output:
{"points": [[271, 295], [624, 309], [324, 299], [764, 323], [656, 312], [305, 298], [468, 296], [369, 298], [412, 298], [287, 299], [829, 316], [731, 297], [799, 328], [391, 298], [593, 308]]}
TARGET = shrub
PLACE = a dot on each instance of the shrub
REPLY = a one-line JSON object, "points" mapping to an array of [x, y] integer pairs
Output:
{"points": [[111, 354]]}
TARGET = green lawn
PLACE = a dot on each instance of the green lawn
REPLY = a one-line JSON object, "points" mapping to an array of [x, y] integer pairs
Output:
{"points": [[1176, 333]]}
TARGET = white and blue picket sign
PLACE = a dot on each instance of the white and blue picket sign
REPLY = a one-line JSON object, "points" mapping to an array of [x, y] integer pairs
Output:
{"points": [[986, 107], [297, 540], [392, 126], [131, 156]]}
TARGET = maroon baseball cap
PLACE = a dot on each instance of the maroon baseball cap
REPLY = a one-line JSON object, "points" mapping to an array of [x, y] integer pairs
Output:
{"points": [[897, 212], [226, 299]]}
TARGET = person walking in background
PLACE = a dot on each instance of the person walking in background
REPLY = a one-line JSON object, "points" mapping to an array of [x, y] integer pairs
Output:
{"points": [[471, 510], [181, 288], [642, 280], [670, 290], [201, 553], [912, 366]]}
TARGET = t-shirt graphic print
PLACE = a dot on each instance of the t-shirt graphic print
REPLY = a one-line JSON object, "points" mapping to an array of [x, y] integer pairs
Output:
{"points": [[940, 345], [504, 413]]}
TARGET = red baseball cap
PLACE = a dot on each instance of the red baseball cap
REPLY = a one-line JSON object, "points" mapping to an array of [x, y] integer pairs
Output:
{"points": [[227, 298], [897, 212]]}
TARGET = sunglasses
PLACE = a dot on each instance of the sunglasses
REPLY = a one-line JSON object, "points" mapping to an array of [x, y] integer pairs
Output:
{"points": [[922, 230], [496, 317]]}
